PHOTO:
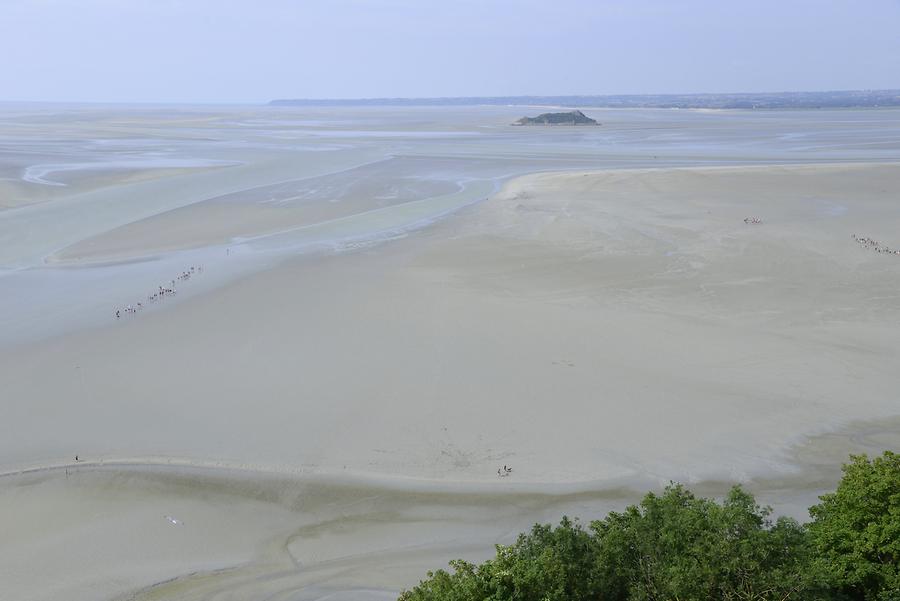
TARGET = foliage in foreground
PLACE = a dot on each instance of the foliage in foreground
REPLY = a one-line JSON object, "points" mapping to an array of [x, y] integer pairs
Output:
{"points": [[855, 530], [676, 546]]}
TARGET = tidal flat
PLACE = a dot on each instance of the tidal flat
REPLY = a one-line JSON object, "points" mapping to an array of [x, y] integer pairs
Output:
{"points": [[369, 311]]}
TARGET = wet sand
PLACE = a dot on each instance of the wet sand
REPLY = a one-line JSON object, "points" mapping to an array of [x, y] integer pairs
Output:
{"points": [[107, 531]]}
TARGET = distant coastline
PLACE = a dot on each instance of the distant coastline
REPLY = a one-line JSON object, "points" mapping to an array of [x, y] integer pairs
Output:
{"points": [[773, 100]]}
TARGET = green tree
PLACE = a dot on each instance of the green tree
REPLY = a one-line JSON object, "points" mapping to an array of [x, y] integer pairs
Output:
{"points": [[856, 529], [546, 564], [671, 546], [679, 546], [463, 584]]}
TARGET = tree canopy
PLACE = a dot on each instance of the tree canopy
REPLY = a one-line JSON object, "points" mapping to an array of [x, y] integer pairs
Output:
{"points": [[856, 529]]}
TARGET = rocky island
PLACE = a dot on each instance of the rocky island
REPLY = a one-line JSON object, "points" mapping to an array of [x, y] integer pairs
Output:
{"points": [[566, 118]]}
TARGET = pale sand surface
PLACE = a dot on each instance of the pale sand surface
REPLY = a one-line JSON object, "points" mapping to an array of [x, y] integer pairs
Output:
{"points": [[267, 533], [601, 332], [518, 323]]}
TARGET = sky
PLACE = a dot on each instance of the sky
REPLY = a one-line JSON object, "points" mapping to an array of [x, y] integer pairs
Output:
{"points": [[226, 51]]}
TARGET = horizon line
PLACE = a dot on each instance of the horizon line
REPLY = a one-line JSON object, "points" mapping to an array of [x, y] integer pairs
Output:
{"points": [[604, 95]]}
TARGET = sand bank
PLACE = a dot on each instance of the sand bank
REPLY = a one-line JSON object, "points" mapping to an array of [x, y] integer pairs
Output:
{"points": [[263, 210]]}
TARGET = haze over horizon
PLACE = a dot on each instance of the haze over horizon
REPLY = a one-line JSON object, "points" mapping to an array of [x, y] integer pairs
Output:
{"points": [[234, 51]]}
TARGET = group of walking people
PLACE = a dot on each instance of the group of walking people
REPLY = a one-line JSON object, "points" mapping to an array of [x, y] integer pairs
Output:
{"points": [[161, 292], [875, 245]]}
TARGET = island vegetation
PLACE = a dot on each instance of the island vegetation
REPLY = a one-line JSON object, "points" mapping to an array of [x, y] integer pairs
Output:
{"points": [[675, 545], [564, 118]]}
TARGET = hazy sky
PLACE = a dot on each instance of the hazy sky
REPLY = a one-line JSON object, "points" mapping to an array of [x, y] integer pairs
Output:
{"points": [[255, 50]]}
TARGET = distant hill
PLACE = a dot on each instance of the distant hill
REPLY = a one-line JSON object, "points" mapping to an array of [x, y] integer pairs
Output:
{"points": [[774, 100], [566, 118]]}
